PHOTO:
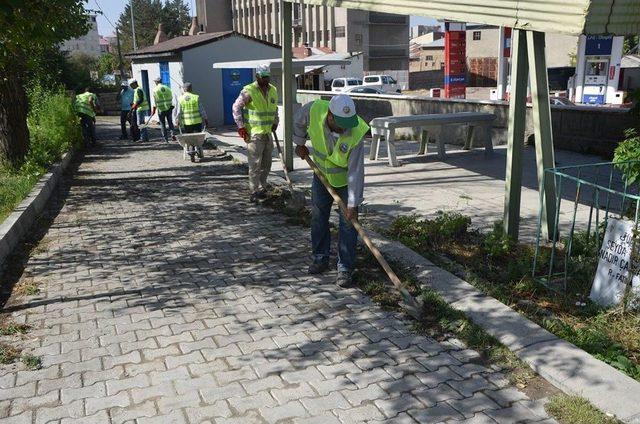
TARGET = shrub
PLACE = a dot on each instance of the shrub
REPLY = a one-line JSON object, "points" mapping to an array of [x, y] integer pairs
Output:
{"points": [[496, 243], [53, 126], [627, 156]]}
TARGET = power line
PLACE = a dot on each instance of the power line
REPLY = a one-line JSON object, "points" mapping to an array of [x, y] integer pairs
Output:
{"points": [[104, 14]]}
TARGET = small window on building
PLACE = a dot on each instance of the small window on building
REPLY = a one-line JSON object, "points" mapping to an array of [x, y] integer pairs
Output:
{"points": [[340, 32], [358, 38], [477, 35], [441, 65], [429, 58]]}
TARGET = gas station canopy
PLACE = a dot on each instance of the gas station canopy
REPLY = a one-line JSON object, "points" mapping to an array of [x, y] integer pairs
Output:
{"points": [[575, 17]]}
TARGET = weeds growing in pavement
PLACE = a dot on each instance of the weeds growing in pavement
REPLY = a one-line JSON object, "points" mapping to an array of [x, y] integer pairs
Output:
{"points": [[501, 268], [32, 362], [576, 410], [8, 354]]}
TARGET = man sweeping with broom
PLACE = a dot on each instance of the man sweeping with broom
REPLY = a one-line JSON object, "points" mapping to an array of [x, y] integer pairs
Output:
{"points": [[336, 134]]}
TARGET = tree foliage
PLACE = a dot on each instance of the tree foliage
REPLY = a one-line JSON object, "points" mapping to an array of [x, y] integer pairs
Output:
{"points": [[173, 15], [29, 29]]}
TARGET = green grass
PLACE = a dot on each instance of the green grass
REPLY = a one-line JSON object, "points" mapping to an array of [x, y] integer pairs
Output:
{"points": [[502, 269], [576, 410], [32, 362], [54, 129], [11, 328]]}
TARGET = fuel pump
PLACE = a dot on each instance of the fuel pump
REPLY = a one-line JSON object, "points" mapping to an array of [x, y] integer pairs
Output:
{"points": [[598, 69]]}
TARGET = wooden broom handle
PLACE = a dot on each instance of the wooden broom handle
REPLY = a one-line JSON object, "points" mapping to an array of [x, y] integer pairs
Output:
{"points": [[363, 235]]}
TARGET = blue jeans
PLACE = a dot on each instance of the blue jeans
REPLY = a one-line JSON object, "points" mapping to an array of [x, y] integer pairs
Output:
{"points": [[144, 131], [321, 236]]}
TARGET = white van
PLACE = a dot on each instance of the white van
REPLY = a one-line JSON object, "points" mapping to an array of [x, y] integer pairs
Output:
{"points": [[340, 84], [385, 83]]}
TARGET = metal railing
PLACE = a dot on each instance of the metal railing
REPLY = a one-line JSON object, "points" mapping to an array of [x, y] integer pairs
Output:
{"points": [[595, 192]]}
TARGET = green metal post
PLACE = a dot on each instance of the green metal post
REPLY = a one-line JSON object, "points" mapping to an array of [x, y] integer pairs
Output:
{"points": [[542, 126], [517, 116], [286, 11]]}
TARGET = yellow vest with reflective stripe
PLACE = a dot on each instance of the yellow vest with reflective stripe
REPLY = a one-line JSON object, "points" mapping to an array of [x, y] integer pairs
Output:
{"points": [[190, 109], [83, 104], [139, 97], [163, 97], [260, 114], [333, 164]]}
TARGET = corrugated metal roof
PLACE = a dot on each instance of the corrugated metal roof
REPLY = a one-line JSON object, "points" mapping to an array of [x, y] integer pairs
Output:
{"points": [[618, 17]]}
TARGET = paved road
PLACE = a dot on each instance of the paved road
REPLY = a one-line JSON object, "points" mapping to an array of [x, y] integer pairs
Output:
{"points": [[167, 298]]}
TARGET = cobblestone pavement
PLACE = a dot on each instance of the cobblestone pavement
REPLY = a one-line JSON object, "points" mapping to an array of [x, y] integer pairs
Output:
{"points": [[166, 297]]}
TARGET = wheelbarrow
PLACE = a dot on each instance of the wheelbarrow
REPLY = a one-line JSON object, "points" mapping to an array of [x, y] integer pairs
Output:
{"points": [[192, 145]]}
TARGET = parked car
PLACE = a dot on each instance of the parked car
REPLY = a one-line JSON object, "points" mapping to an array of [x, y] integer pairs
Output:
{"points": [[340, 84], [385, 83], [560, 101], [365, 89]]}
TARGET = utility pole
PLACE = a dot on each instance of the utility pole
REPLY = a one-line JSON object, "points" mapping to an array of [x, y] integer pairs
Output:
{"points": [[122, 76], [133, 27]]}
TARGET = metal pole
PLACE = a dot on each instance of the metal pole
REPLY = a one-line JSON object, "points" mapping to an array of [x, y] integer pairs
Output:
{"points": [[502, 63], [517, 117], [133, 27], [288, 89], [542, 126]]}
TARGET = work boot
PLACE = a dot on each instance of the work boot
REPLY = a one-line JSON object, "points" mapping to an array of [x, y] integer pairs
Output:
{"points": [[318, 267], [261, 194], [344, 279]]}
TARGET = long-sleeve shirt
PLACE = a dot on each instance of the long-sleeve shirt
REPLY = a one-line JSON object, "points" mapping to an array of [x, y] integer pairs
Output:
{"points": [[241, 102], [355, 170], [178, 111]]}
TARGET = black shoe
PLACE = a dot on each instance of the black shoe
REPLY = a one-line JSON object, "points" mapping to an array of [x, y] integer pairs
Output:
{"points": [[262, 194], [253, 198], [344, 279], [318, 267]]}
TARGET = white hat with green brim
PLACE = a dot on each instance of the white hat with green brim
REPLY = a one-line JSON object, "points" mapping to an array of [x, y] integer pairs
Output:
{"points": [[263, 70], [344, 111]]}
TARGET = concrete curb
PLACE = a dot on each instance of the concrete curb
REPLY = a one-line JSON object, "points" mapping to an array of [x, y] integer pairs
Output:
{"points": [[19, 222], [564, 365]]}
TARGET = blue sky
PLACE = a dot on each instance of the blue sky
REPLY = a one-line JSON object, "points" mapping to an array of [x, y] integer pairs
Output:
{"points": [[113, 8]]}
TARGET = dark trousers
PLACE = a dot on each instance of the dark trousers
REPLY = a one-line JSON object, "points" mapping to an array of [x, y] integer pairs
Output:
{"points": [[187, 129], [88, 126], [124, 119], [166, 119], [135, 131]]}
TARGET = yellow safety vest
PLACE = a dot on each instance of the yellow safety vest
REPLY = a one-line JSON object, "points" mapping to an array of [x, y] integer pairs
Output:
{"points": [[190, 109], [83, 104], [163, 97], [139, 97], [333, 164], [260, 114]]}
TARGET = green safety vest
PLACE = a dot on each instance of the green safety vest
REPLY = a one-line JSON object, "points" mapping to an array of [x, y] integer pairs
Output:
{"points": [[333, 164], [138, 96], [163, 97], [260, 114], [83, 104], [190, 109]]}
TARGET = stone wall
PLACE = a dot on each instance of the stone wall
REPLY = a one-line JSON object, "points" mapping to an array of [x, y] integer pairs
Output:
{"points": [[577, 128]]}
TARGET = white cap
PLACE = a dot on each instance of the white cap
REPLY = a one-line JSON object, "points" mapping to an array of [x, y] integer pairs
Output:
{"points": [[132, 80], [344, 111], [157, 79], [263, 70]]}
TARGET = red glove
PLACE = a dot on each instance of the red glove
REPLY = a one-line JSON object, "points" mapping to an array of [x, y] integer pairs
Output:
{"points": [[243, 133]]}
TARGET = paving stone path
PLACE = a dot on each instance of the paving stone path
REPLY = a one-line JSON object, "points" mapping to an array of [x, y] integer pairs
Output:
{"points": [[166, 297]]}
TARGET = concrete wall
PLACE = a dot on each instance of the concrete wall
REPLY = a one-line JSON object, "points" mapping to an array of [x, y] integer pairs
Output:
{"points": [[426, 79], [207, 82], [152, 66], [580, 128]]}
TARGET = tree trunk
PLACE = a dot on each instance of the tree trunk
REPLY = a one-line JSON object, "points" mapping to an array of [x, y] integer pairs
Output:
{"points": [[14, 133]]}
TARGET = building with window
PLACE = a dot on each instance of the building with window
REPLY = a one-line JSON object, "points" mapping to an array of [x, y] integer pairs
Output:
{"points": [[87, 44], [427, 55], [383, 38], [191, 58]]}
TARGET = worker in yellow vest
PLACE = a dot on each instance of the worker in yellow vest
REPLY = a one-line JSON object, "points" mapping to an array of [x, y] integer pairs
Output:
{"points": [[255, 112], [190, 113], [140, 108], [163, 103], [336, 134], [86, 108]]}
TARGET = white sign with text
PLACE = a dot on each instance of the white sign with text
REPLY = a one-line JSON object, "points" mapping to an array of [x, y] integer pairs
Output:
{"points": [[614, 264]]}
